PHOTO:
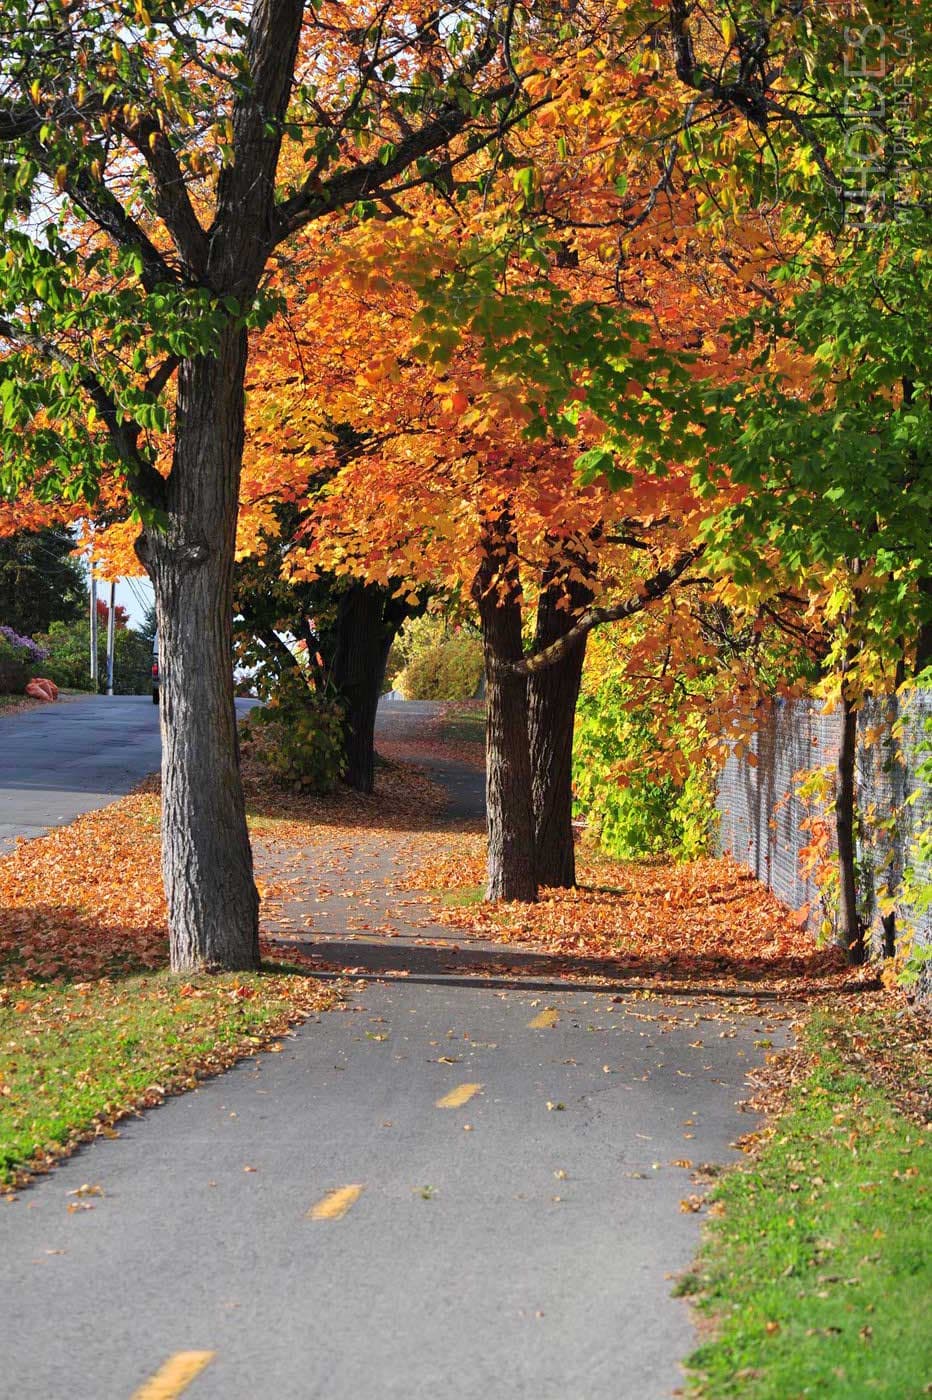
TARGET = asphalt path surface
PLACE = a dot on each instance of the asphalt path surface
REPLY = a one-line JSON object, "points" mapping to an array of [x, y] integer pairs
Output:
{"points": [[58, 761], [519, 1243]]}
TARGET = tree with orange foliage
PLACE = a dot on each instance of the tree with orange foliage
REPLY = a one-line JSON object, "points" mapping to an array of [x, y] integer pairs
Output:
{"points": [[145, 209], [444, 487]]}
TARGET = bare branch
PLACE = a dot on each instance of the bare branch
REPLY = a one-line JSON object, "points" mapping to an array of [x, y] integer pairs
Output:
{"points": [[103, 207]]}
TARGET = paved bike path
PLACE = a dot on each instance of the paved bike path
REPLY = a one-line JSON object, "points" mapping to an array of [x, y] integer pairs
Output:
{"points": [[520, 1244]]}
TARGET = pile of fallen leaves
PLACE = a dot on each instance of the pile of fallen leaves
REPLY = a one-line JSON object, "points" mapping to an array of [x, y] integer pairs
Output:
{"points": [[86, 900], [705, 921]]}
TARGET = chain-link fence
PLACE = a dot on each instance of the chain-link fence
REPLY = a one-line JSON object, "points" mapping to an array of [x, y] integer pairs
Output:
{"points": [[765, 823]]}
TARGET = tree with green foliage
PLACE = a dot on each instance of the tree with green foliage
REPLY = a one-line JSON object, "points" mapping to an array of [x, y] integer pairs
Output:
{"points": [[145, 194], [40, 581]]}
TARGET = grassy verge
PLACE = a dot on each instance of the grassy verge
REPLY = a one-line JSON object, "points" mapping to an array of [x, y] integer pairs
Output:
{"points": [[459, 899], [815, 1275], [76, 1056], [463, 723]]}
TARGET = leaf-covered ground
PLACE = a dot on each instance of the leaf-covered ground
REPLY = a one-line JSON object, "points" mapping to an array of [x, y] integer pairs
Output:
{"points": [[816, 1273], [708, 922]]}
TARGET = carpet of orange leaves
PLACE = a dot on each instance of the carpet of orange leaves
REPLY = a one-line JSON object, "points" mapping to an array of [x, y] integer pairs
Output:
{"points": [[705, 921], [86, 900]]}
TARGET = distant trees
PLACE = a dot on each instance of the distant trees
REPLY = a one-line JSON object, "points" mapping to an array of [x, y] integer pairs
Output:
{"points": [[40, 581]]}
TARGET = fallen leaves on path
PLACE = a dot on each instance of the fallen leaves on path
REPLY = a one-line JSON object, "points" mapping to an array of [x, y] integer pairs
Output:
{"points": [[705, 921], [86, 900]]}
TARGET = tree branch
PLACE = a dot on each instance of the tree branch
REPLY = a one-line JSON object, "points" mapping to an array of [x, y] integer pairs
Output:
{"points": [[246, 226], [124, 433], [316, 198], [171, 195], [653, 588]]}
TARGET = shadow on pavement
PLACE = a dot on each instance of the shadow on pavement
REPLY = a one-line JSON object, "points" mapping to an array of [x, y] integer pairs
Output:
{"points": [[491, 966]]}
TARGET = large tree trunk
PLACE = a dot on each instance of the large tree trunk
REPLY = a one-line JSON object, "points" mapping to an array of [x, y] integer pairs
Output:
{"points": [[213, 906], [364, 639], [552, 696], [849, 925], [511, 865]]}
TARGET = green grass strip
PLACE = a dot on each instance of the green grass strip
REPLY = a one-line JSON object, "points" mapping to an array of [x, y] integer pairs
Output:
{"points": [[817, 1277], [77, 1054]]}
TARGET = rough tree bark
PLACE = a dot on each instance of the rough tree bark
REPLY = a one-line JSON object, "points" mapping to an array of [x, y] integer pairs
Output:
{"points": [[213, 907], [366, 627], [552, 696], [496, 590]]}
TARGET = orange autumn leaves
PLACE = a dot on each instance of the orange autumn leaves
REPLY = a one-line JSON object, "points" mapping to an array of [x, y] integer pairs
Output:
{"points": [[705, 923], [86, 900]]}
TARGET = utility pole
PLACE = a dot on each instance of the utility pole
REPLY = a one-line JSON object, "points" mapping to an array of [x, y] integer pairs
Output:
{"points": [[111, 627], [93, 627]]}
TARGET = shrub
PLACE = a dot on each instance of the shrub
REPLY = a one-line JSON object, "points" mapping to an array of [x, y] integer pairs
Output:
{"points": [[67, 649], [299, 735], [439, 662], [19, 661], [635, 805]]}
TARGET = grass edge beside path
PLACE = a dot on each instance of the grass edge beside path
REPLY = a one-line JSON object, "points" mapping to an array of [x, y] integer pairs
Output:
{"points": [[76, 1057], [815, 1273]]}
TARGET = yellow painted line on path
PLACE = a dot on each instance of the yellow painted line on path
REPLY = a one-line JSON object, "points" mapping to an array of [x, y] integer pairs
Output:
{"points": [[175, 1376], [336, 1203], [548, 1017], [457, 1097]]}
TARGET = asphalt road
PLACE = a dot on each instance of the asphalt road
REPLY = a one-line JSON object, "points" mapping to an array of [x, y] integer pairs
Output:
{"points": [[58, 761], [519, 1245]]}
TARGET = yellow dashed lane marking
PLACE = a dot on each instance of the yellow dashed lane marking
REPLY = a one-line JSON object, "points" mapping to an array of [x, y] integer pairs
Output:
{"points": [[548, 1017], [175, 1376], [457, 1097], [335, 1204]]}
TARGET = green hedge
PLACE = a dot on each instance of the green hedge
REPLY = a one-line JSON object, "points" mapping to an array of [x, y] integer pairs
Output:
{"points": [[449, 670]]}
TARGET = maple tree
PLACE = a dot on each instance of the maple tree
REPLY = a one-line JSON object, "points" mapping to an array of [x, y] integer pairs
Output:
{"points": [[137, 230], [444, 489], [463, 477]]}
